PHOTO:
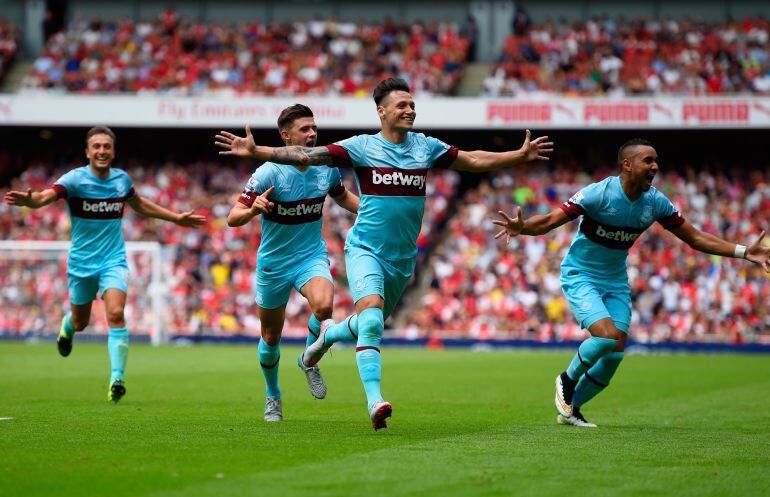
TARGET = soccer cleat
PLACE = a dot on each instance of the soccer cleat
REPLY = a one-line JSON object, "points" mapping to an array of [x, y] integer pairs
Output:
{"points": [[273, 409], [315, 381], [63, 343], [317, 349], [379, 412], [565, 388], [117, 391], [576, 419]]}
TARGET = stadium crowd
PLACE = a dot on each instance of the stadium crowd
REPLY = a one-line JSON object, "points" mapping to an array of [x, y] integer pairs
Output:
{"points": [[618, 57], [174, 56], [9, 45], [208, 272], [477, 286]]}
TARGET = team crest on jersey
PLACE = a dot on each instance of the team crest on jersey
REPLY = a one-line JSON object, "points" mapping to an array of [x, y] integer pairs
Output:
{"points": [[323, 183], [647, 214], [421, 154]]}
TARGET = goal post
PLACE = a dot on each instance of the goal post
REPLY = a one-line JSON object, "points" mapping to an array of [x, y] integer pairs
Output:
{"points": [[34, 293]]}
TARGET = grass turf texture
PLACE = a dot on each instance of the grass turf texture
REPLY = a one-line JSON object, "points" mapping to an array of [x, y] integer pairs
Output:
{"points": [[464, 423]]}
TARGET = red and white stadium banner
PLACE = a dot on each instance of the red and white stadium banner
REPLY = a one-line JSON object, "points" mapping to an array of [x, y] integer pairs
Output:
{"points": [[353, 113]]}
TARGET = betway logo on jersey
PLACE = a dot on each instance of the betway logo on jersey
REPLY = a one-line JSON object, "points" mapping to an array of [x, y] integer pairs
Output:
{"points": [[300, 210], [297, 211], [615, 237], [91, 208], [620, 235], [392, 182]]}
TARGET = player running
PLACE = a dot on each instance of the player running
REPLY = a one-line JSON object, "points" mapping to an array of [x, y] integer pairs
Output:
{"points": [[96, 194], [391, 169], [594, 279], [292, 252]]}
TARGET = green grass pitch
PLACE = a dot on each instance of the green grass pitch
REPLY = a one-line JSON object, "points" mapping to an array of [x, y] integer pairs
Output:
{"points": [[464, 423]]}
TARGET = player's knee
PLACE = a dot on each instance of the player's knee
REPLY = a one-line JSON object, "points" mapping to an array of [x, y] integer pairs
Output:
{"points": [[115, 318], [323, 311]]}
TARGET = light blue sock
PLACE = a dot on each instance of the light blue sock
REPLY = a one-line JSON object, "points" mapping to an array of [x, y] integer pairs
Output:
{"points": [[313, 329], [590, 351], [368, 357], [269, 356], [67, 329], [344, 331], [117, 345], [597, 378]]}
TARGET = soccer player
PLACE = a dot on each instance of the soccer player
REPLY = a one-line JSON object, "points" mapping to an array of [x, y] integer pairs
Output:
{"points": [[615, 212], [391, 169], [96, 194], [292, 252]]}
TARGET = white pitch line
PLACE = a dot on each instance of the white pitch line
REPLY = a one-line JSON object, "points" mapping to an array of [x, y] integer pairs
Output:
{"points": [[6, 419]]}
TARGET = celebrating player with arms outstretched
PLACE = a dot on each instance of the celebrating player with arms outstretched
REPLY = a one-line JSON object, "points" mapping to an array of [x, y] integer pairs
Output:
{"points": [[391, 169], [96, 194], [292, 252], [615, 212]]}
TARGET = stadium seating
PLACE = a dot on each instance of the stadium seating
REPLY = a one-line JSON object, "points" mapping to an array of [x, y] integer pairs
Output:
{"points": [[634, 57], [319, 57], [480, 287], [9, 45]]}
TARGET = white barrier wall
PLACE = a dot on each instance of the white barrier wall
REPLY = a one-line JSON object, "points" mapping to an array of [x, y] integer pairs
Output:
{"points": [[353, 113]]}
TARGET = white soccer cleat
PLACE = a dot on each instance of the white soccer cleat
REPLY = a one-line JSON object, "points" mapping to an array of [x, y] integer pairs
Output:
{"points": [[273, 409], [563, 399], [576, 419], [317, 349], [315, 381], [379, 412]]}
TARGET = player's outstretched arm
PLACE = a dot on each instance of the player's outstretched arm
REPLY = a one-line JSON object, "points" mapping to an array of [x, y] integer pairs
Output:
{"points": [[710, 244], [244, 146], [30, 198], [241, 214], [480, 161], [149, 208], [348, 201], [536, 225]]}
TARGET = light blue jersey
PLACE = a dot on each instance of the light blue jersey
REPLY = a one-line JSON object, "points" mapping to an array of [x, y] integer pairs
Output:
{"points": [[96, 208], [611, 224], [391, 179], [291, 233]]}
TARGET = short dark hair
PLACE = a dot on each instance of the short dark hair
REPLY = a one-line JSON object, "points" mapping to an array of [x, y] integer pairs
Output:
{"points": [[631, 143], [292, 113], [386, 86], [100, 130]]}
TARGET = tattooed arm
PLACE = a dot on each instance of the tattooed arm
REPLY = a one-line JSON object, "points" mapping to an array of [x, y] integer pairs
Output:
{"points": [[295, 155]]}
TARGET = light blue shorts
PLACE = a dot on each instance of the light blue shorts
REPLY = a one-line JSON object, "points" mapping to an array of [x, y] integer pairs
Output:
{"points": [[591, 300], [83, 290], [273, 287], [369, 274]]}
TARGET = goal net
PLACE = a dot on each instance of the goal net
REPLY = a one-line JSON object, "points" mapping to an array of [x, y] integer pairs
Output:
{"points": [[34, 294]]}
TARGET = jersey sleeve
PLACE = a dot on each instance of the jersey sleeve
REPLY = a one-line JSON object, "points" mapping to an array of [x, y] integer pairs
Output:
{"points": [[336, 188], [348, 153], [128, 186], [66, 186], [666, 214], [580, 203], [442, 155], [260, 181]]}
